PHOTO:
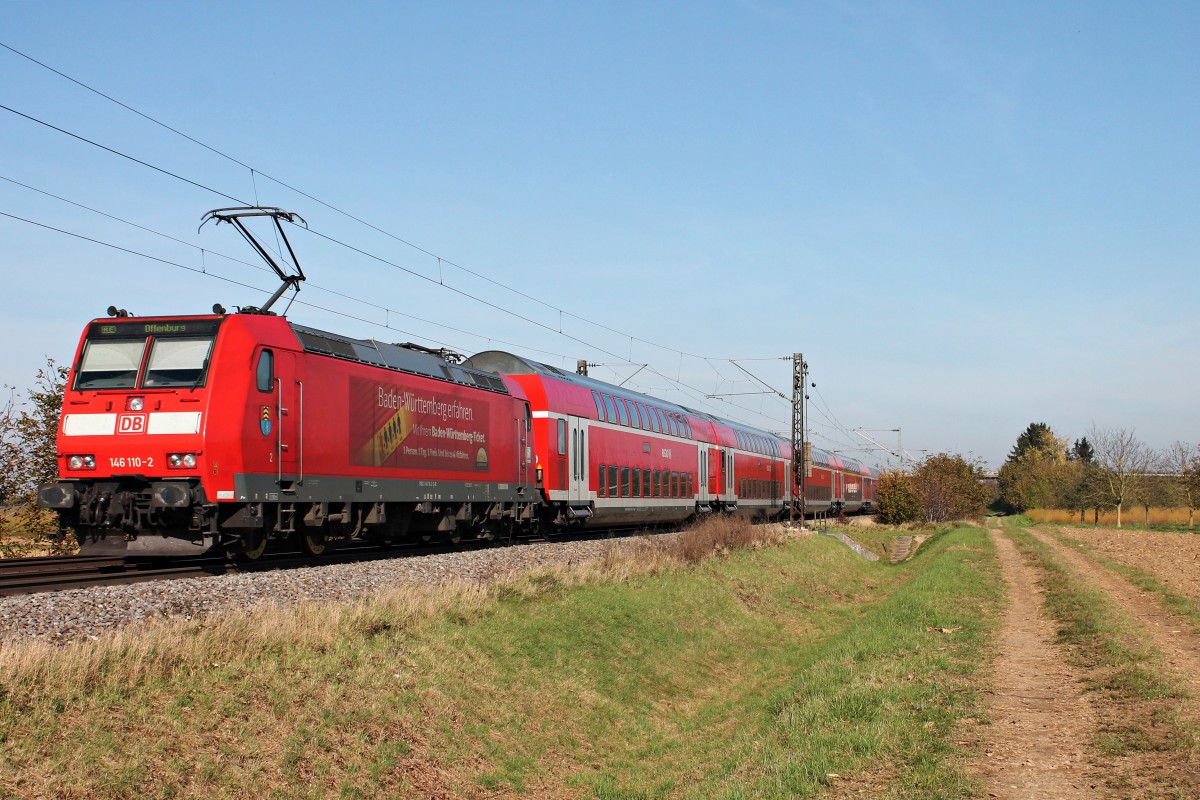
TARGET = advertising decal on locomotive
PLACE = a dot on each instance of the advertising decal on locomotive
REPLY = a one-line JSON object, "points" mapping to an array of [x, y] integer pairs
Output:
{"points": [[393, 426]]}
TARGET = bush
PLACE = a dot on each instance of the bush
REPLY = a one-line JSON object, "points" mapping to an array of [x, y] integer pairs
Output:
{"points": [[897, 498], [27, 450]]}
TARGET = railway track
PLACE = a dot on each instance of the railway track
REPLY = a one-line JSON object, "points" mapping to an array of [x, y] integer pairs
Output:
{"points": [[54, 573], [20, 576]]}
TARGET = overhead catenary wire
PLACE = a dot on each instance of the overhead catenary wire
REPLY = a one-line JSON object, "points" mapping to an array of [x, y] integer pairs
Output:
{"points": [[255, 171], [685, 388], [208, 251], [698, 394], [440, 281]]}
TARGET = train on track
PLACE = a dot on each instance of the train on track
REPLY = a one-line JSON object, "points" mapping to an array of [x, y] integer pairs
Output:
{"points": [[185, 434]]}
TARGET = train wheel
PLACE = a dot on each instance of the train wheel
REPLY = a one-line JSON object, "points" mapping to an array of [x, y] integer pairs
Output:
{"points": [[312, 541], [253, 544]]}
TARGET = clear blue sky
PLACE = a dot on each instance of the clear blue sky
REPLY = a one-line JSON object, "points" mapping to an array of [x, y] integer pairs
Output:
{"points": [[968, 216]]}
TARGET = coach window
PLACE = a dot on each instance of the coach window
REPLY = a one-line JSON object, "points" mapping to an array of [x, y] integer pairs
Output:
{"points": [[637, 482], [624, 481], [645, 483], [602, 488], [266, 371], [612, 410], [599, 405], [657, 487], [624, 412], [562, 437], [612, 481], [633, 415]]}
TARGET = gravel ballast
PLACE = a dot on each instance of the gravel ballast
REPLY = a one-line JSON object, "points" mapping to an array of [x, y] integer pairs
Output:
{"points": [[81, 614]]}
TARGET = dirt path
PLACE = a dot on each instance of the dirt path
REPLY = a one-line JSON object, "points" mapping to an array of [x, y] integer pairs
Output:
{"points": [[1041, 726]]}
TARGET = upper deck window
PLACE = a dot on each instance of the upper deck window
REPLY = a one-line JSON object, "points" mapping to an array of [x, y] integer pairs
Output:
{"points": [[612, 410], [110, 364], [624, 412], [177, 362]]}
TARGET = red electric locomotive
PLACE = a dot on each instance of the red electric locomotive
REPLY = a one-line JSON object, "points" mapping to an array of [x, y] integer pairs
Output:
{"points": [[182, 433]]}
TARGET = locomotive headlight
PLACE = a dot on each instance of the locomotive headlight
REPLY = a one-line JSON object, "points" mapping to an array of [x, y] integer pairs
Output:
{"points": [[81, 462], [181, 460], [136, 403]]}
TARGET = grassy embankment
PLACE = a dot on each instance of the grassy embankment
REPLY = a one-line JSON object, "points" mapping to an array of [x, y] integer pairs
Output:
{"points": [[774, 671], [1140, 710]]}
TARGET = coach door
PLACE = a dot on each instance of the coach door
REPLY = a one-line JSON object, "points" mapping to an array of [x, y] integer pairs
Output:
{"points": [[523, 423], [577, 486], [702, 493]]}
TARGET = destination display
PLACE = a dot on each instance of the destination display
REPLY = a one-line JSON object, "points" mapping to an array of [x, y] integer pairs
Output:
{"points": [[137, 328], [396, 426]]}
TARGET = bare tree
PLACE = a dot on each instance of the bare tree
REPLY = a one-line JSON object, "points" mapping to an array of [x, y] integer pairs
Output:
{"points": [[1123, 461], [1184, 460]]}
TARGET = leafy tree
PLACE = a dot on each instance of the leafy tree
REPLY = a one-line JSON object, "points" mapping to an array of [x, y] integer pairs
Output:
{"points": [[1183, 459], [897, 498], [1123, 461], [948, 488], [1152, 490], [1082, 451], [1034, 475], [1037, 436], [27, 448]]}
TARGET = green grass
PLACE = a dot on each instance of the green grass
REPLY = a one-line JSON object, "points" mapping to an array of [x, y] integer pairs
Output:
{"points": [[757, 674]]}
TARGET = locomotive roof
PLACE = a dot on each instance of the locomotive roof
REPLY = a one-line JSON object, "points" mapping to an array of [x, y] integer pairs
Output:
{"points": [[408, 358]]}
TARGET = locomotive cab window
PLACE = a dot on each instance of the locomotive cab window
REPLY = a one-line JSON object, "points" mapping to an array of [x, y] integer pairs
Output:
{"points": [[265, 375], [177, 362], [110, 364]]}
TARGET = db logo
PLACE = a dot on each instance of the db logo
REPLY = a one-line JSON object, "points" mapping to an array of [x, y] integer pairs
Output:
{"points": [[131, 423]]}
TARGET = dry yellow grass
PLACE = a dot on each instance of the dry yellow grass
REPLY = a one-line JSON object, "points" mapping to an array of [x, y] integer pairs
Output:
{"points": [[1130, 515], [162, 647]]}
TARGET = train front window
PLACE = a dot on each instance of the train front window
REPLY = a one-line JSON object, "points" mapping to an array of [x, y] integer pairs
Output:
{"points": [[111, 364], [177, 362]]}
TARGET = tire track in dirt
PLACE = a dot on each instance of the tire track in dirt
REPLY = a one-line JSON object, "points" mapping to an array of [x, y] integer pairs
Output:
{"points": [[1041, 726], [1174, 637]]}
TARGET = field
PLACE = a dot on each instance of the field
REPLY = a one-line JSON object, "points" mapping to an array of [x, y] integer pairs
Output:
{"points": [[1130, 515], [1011, 661]]}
